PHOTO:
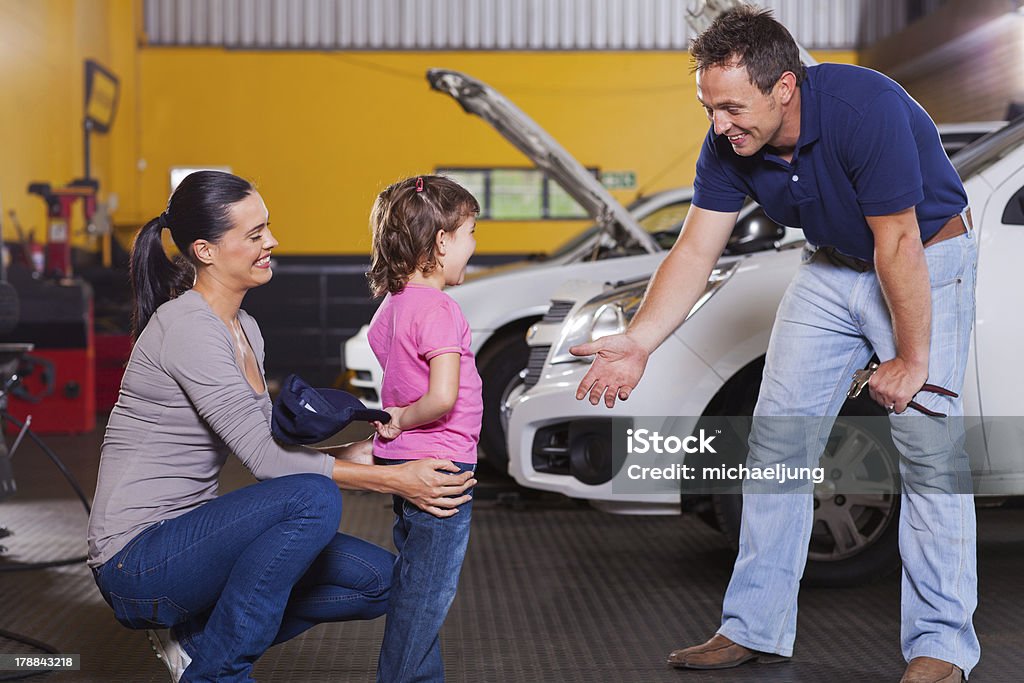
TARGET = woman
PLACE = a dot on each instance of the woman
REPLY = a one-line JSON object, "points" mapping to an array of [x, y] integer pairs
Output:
{"points": [[235, 574]]}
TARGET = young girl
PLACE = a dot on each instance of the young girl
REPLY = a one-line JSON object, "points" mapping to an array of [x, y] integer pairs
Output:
{"points": [[422, 238]]}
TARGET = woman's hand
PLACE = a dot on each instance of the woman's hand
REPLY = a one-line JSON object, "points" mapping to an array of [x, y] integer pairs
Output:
{"points": [[391, 429], [427, 484]]}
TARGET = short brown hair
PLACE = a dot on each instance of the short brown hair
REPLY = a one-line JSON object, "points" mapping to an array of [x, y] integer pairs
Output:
{"points": [[750, 37], [404, 222]]}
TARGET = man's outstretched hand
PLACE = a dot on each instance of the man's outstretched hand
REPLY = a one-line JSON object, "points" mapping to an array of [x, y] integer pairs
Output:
{"points": [[616, 370]]}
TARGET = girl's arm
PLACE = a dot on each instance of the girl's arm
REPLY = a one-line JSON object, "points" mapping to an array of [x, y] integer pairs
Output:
{"points": [[442, 391]]}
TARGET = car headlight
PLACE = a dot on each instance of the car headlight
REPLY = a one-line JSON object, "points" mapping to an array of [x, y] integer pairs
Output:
{"points": [[611, 312]]}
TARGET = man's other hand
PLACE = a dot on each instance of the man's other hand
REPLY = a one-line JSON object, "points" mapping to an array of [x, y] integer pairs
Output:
{"points": [[895, 383]]}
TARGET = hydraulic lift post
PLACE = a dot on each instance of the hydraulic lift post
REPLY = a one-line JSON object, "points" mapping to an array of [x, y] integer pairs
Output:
{"points": [[59, 204]]}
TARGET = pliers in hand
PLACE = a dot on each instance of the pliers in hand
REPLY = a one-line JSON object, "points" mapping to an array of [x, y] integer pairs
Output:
{"points": [[863, 376]]}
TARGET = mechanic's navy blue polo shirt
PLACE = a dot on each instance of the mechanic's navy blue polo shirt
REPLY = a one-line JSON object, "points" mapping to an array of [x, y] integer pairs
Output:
{"points": [[866, 148]]}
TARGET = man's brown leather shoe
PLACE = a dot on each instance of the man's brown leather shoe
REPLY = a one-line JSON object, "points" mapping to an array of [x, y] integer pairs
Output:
{"points": [[719, 653], [931, 670]]}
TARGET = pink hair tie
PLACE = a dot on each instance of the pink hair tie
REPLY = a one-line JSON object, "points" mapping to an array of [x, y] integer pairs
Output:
{"points": [[419, 184]]}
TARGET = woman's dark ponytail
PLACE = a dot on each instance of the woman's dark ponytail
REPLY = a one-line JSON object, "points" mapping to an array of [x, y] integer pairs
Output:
{"points": [[156, 279], [199, 209]]}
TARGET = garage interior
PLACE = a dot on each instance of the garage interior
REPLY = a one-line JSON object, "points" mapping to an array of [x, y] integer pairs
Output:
{"points": [[322, 103], [551, 590]]}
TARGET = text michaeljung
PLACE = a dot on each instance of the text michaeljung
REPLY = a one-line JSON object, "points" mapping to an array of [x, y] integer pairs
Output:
{"points": [[777, 472]]}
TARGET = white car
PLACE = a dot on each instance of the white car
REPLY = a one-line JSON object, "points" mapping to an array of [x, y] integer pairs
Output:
{"points": [[502, 303], [711, 365]]}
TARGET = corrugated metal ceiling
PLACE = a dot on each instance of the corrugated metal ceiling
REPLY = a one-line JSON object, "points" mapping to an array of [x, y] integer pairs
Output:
{"points": [[496, 24]]}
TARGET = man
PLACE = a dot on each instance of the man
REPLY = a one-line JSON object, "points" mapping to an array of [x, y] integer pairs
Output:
{"points": [[846, 154]]}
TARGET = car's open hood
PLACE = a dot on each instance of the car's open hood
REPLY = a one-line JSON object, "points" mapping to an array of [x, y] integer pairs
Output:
{"points": [[543, 150]]}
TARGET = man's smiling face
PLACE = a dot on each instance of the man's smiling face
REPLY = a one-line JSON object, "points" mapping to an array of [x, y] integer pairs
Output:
{"points": [[749, 118]]}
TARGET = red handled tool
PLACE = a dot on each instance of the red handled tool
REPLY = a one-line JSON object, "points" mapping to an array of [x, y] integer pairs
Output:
{"points": [[862, 377]]}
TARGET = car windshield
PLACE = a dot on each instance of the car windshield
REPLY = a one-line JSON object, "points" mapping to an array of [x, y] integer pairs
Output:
{"points": [[666, 219], [979, 155]]}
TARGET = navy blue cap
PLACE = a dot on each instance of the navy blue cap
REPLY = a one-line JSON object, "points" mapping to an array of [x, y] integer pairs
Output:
{"points": [[304, 415]]}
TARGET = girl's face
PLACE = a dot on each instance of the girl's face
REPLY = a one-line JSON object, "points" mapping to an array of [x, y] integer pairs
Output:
{"points": [[458, 246], [241, 258]]}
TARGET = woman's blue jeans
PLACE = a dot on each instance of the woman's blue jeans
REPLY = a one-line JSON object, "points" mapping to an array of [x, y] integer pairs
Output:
{"points": [[829, 323], [248, 570], [426, 575]]}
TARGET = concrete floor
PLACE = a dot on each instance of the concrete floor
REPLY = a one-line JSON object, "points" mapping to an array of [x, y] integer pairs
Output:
{"points": [[551, 591]]}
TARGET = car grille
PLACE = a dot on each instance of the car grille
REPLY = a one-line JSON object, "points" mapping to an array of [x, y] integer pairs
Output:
{"points": [[558, 311], [538, 354], [580, 448]]}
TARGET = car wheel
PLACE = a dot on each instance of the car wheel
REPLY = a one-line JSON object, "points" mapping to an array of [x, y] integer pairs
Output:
{"points": [[501, 365], [854, 537]]}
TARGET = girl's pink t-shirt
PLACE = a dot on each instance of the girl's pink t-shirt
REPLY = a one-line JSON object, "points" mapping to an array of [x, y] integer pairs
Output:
{"points": [[411, 327]]}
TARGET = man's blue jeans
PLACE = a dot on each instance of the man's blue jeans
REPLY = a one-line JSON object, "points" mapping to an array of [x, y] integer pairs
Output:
{"points": [[245, 571], [426, 575], [829, 322]]}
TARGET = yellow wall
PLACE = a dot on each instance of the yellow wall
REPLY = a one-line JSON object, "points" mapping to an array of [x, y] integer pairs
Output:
{"points": [[43, 44], [320, 133], [323, 133]]}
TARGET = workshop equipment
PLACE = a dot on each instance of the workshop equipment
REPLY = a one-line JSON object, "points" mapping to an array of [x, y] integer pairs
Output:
{"points": [[59, 204], [101, 96], [57, 318], [57, 309]]}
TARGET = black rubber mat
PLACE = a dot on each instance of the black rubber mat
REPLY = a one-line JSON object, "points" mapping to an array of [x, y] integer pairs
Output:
{"points": [[554, 591]]}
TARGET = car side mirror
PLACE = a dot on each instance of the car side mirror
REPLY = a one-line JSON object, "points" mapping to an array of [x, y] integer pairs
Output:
{"points": [[756, 233]]}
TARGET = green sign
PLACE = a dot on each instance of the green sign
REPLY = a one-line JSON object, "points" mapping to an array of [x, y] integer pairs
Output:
{"points": [[619, 180]]}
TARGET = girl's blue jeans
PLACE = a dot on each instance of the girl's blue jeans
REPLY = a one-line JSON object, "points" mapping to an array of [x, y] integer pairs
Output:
{"points": [[426, 575]]}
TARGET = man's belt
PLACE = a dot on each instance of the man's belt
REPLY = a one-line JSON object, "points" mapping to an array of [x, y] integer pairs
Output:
{"points": [[954, 227], [838, 258]]}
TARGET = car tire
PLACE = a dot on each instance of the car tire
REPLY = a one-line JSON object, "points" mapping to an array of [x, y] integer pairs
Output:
{"points": [[500, 364], [875, 553]]}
